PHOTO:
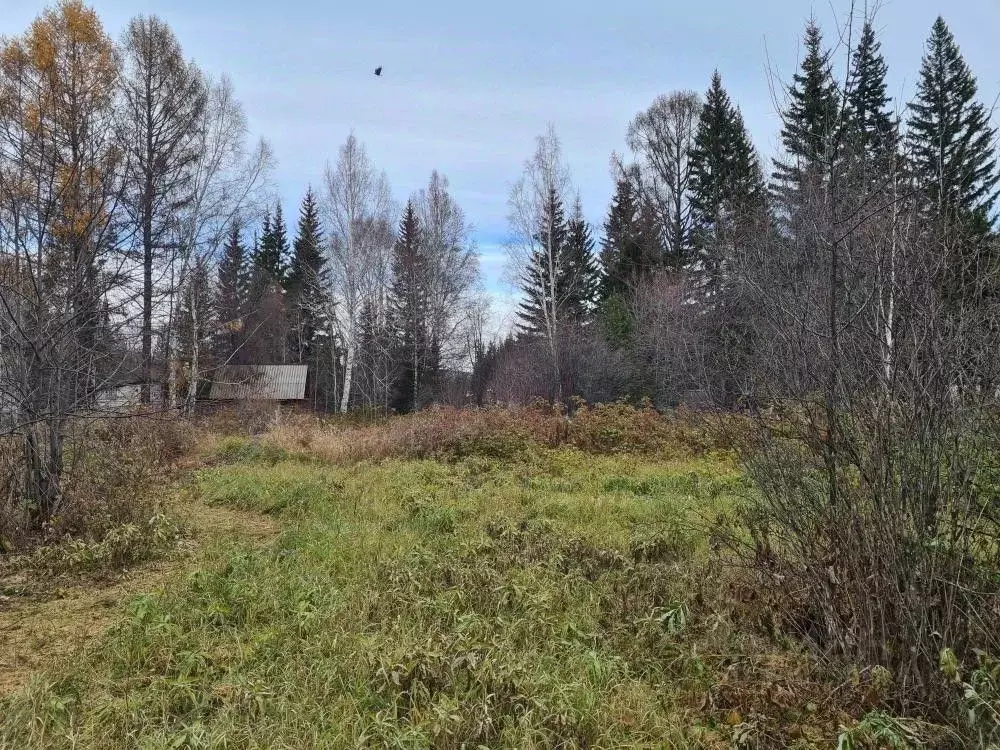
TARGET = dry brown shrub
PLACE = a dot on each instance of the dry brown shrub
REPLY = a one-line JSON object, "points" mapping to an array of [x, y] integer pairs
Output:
{"points": [[497, 432], [111, 469]]}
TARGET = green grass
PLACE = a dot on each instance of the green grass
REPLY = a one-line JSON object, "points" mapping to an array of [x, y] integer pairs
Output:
{"points": [[556, 600]]}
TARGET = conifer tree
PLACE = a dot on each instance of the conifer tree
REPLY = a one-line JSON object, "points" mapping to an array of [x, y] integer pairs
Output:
{"points": [[281, 248], [264, 320], [271, 253], [950, 138], [871, 124], [580, 274], [619, 244], [631, 245], [542, 280], [231, 295], [306, 280], [809, 126], [727, 185], [407, 309]]}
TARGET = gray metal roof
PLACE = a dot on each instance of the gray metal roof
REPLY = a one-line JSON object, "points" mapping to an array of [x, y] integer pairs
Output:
{"points": [[263, 382]]}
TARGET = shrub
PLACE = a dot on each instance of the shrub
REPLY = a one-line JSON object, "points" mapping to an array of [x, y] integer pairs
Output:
{"points": [[120, 547], [110, 468]]}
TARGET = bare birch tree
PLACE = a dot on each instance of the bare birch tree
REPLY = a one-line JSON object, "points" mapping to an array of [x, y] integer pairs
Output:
{"points": [[533, 248], [451, 267], [164, 98], [359, 207], [662, 138], [227, 180]]}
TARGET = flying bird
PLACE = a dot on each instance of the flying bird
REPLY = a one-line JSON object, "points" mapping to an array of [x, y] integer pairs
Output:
{"points": [[378, 70]]}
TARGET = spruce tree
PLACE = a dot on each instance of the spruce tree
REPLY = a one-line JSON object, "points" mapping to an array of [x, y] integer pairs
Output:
{"points": [[580, 274], [710, 159], [307, 279], [407, 310], [618, 245], [631, 245], [265, 324], [809, 126], [270, 254], [727, 185], [231, 294], [281, 247], [542, 280], [950, 138], [871, 124]]}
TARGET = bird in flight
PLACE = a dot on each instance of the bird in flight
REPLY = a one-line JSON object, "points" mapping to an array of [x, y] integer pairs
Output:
{"points": [[378, 70]]}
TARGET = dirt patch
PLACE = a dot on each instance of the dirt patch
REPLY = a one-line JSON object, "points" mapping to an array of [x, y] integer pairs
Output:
{"points": [[45, 622]]}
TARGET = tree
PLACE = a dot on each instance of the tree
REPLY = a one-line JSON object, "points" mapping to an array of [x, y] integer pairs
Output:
{"points": [[359, 204], [164, 98], [727, 186], [408, 311], [872, 127], [231, 295], [950, 137], [662, 137], [536, 246], [65, 296], [307, 281], [580, 271], [196, 318], [266, 323], [451, 270], [272, 250], [809, 126], [544, 285], [227, 179], [623, 257]]}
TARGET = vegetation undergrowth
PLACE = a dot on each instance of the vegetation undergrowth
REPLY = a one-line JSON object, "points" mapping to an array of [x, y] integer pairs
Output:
{"points": [[475, 597], [532, 598]]}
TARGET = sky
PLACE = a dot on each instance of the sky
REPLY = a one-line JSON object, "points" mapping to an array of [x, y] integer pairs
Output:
{"points": [[467, 86]]}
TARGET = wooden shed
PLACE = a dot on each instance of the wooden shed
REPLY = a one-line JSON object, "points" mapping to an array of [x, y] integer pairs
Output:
{"points": [[259, 383]]}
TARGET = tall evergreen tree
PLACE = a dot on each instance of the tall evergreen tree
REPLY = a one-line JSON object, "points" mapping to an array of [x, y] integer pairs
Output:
{"points": [[727, 185], [231, 295], [408, 313], [272, 249], [306, 281], [580, 273], [281, 248], [631, 244], [809, 125], [950, 138], [543, 279], [264, 320], [871, 124]]}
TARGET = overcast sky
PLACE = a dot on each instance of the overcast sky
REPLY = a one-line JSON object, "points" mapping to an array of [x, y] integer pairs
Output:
{"points": [[467, 86]]}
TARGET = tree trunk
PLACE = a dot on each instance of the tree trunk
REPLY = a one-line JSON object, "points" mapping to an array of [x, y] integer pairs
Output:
{"points": [[193, 373], [345, 398], [43, 470]]}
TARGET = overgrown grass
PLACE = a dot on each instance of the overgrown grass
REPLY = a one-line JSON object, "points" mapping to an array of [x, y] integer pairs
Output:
{"points": [[534, 598]]}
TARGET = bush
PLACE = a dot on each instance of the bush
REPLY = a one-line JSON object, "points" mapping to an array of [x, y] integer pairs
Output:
{"points": [[120, 547], [110, 469]]}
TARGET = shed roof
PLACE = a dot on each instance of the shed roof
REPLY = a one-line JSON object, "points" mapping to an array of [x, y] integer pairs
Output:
{"points": [[260, 382]]}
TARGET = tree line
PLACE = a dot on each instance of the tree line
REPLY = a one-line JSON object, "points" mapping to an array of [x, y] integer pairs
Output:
{"points": [[658, 308], [140, 246]]}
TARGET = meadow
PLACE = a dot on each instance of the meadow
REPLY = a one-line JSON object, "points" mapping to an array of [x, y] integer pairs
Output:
{"points": [[486, 582]]}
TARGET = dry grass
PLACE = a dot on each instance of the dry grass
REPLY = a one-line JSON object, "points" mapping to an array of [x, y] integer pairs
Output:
{"points": [[496, 432]]}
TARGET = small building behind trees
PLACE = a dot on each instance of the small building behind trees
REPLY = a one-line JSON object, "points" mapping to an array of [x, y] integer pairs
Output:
{"points": [[259, 383]]}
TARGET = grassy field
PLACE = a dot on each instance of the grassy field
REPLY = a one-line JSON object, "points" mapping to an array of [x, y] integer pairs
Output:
{"points": [[525, 598]]}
